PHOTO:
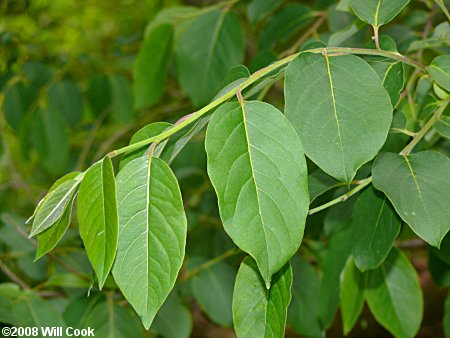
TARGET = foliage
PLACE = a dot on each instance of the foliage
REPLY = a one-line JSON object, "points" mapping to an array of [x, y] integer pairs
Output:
{"points": [[315, 179]]}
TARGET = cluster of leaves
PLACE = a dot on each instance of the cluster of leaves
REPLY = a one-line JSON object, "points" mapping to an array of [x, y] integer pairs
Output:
{"points": [[349, 107]]}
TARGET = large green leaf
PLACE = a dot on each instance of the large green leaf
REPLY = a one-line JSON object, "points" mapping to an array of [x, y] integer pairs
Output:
{"points": [[303, 312], [207, 50], [258, 9], [394, 295], [151, 66], [152, 234], [377, 12], [53, 206], [439, 71], [421, 199], [257, 167], [375, 227], [351, 294], [259, 312], [213, 290], [66, 99], [335, 113], [97, 215]]}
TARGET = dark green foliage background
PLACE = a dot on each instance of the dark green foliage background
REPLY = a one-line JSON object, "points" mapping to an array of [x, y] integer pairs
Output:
{"points": [[79, 78]]}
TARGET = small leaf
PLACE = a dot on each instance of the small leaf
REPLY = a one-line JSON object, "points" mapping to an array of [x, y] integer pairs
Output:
{"points": [[443, 126], [258, 9], [393, 78], [303, 313], [283, 24], [419, 198], [206, 51], [375, 227], [54, 205], [351, 294], [150, 130], [110, 319], [334, 113], [17, 100], [377, 12], [66, 99], [99, 94], [394, 295], [319, 183], [122, 105], [333, 263], [97, 215], [48, 239], [152, 234], [174, 319], [150, 68], [213, 290], [259, 312], [439, 71], [55, 185], [257, 167]]}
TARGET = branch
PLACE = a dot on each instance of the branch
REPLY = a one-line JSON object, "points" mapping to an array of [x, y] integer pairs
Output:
{"points": [[252, 79], [8, 272], [425, 129], [363, 183], [210, 263]]}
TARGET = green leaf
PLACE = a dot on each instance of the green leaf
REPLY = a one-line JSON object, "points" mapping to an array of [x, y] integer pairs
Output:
{"points": [[257, 167], [439, 71], [335, 113], [259, 312], [340, 37], [394, 295], [420, 198], [66, 99], [319, 183], [393, 78], [173, 16], [122, 105], [439, 270], [99, 94], [48, 136], [97, 216], [351, 295], [213, 290], [150, 68], [207, 50], [377, 12], [110, 319], [54, 205], [174, 319], [55, 185], [375, 227], [303, 312], [150, 130], [67, 280], [152, 234], [25, 308], [258, 9], [16, 103], [334, 261], [48, 239], [444, 251], [283, 24]]}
